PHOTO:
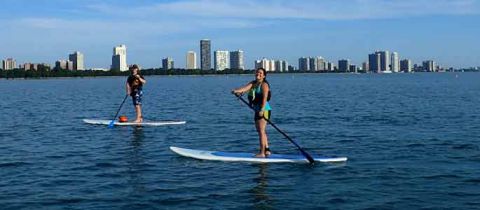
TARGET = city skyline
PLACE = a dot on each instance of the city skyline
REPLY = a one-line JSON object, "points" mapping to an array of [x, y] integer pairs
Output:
{"points": [[444, 31], [377, 62]]}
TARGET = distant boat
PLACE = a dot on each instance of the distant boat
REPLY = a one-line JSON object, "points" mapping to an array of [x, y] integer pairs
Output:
{"points": [[386, 72]]}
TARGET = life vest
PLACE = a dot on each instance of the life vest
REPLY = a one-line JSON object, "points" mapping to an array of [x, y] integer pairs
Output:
{"points": [[255, 95]]}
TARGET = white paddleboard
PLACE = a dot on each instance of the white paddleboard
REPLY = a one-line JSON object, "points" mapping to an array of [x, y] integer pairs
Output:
{"points": [[249, 157], [144, 123]]}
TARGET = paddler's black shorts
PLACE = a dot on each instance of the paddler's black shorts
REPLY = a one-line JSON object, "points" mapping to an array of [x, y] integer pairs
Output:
{"points": [[266, 114]]}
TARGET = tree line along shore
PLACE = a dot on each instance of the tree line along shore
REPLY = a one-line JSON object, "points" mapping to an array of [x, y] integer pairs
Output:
{"points": [[47, 73]]}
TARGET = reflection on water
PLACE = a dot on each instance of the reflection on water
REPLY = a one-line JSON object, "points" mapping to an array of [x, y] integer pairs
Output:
{"points": [[261, 199], [137, 136], [136, 162]]}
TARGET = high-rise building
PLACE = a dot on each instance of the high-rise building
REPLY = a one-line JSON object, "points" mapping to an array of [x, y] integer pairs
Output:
{"points": [[29, 66], [285, 66], [191, 60], [77, 59], [304, 64], [272, 65], [205, 54], [365, 67], [167, 63], [321, 65], [268, 65], [344, 65], [330, 66], [429, 66], [395, 62], [61, 64], [374, 62], [70, 65], [312, 66], [236, 60], [384, 60], [291, 68], [352, 68], [278, 66], [119, 58], [406, 65], [221, 60], [281, 65], [9, 64]]}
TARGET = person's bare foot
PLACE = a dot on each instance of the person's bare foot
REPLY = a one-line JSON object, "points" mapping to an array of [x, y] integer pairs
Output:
{"points": [[260, 155], [267, 151], [138, 121]]}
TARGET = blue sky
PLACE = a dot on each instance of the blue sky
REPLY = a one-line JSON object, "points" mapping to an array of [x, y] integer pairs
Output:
{"points": [[446, 31]]}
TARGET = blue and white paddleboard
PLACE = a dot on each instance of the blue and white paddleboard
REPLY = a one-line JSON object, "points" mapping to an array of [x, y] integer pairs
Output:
{"points": [[249, 157], [145, 123]]}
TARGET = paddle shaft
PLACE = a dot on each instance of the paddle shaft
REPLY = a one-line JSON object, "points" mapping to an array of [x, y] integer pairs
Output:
{"points": [[304, 153], [118, 111]]}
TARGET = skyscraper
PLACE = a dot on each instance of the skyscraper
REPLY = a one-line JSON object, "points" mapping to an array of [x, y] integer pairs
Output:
{"points": [[268, 65], [406, 65], [61, 64], [395, 62], [119, 58], [70, 65], [278, 65], [221, 60], [304, 64], [272, 66], [374, 62], [191, 60], [167, 63], [352, 68], [429, 66], [77, 59], [205, 55], [384, 60], [284, 65], [344, 65], [9, 64], [330, 66], [365, 67], [321, 65], [312, 66], [236, 60]]}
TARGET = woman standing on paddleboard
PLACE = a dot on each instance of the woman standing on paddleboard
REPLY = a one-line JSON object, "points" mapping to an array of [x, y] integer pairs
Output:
{"points": [[258, 96], [134, 88]]}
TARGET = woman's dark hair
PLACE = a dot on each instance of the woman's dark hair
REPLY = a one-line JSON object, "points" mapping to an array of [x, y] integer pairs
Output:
{"points": [[264, 80], [264, 73], [134, 66]]}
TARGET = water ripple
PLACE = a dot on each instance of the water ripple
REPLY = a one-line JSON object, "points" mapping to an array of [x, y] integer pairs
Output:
{"points": [[411, 140]]}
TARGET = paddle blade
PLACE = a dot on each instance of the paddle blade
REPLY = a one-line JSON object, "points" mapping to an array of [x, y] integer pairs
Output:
{"points": [[308, 156], [111, 124]]}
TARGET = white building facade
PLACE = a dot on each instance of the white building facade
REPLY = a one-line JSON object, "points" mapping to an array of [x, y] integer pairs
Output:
{"points": [[119, 58], [222, 60]]}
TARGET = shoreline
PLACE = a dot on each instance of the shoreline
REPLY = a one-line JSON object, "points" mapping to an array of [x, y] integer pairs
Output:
{"points": [[224, 74], [20, 74]]}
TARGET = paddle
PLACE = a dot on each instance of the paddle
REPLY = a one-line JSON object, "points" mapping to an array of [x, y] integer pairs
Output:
{"points": [[304, 153], [119, 108]]}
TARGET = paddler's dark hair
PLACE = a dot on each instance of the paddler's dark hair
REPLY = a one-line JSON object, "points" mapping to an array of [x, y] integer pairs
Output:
{"points": [[265, 80], [134, 66], [264, 73]]}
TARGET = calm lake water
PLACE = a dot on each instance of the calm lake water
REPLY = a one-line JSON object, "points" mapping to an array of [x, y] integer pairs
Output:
{"points": [[412, 141]]}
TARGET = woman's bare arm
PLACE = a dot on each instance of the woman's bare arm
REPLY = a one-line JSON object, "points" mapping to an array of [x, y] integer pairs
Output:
{"points": [[242, 89]]}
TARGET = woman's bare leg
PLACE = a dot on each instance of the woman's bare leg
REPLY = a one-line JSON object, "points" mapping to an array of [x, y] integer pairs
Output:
{"points": [[261, 125]]}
